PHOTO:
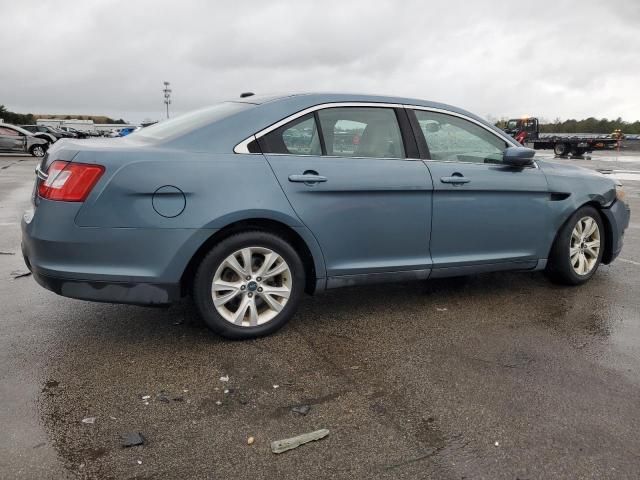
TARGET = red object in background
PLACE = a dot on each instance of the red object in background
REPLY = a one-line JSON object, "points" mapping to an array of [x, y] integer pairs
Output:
{"points": [[521, 137], [355, 140]]}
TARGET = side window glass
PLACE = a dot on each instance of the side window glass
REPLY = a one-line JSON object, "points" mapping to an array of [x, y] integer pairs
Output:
{"points": [[298, 137], [452, 138], [8, 132], [361, 132]]}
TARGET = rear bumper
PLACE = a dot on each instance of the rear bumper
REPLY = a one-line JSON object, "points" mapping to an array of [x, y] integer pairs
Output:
{"points": [[110, 292], [142, 266], [617, 216]]}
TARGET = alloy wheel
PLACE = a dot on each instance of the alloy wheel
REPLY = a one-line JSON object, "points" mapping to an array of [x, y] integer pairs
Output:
{"points": [[584, 248], [38, 151], [251, 286]]}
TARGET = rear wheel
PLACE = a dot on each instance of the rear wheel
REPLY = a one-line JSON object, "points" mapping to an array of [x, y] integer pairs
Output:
{"points": [[249, 285], [578, 248], [37, 151], [560, 149]]}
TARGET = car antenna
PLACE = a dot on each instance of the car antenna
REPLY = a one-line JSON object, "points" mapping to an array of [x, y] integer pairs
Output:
{"points": [[246, 94]]}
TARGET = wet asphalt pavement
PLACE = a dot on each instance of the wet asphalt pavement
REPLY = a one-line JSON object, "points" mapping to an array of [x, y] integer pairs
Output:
{"points": [[495, 376]]}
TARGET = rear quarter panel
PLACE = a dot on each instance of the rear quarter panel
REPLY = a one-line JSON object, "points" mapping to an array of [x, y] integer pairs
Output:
{"points": [[218, 189]]}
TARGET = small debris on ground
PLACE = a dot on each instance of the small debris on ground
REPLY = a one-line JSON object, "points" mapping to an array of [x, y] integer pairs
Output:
{"points": [[301, 409], [218, 402], [162, 397], [132, 439], [50, 384], [89, 420], [178, 399], [146, 397], [112, 417], [441, 309], [497, 444], [224, 378], [279, 446], [139, 462], [276, 386], [225, 391], [20, 273], [250, 440]]}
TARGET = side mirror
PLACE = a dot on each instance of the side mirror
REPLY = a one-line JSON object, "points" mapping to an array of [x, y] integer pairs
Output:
{"points": [[518, 156]]}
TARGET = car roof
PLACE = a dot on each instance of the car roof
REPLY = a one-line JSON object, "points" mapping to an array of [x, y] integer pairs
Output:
{"points": [[298, 100], [328, 97]]}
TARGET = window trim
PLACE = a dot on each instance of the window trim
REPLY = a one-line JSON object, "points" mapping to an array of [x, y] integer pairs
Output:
{"points": [[242, 147]]}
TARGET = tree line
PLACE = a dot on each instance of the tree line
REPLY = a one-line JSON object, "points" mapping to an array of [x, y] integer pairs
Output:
{"points": [[16, 118], [29, 119], [588, 125]]}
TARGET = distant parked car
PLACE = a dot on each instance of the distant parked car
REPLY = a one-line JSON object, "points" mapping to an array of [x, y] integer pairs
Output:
{"points": [[77, 133], [43, 131], [64, 133], [18, 140]]}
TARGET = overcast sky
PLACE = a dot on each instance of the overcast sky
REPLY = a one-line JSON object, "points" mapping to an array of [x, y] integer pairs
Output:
{"points": [[567, 59]]}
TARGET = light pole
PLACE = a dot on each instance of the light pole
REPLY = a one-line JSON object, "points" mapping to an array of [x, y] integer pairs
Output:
{"points": [[167, 96]]}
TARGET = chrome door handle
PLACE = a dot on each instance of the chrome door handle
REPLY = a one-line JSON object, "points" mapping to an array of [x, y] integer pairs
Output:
{"points": [[307, 178], [455, 179]]}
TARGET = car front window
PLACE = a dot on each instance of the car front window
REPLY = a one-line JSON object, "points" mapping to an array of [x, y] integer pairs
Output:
{"points": [[452, 138]]}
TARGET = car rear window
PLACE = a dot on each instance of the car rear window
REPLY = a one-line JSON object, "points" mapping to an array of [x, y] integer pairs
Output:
{"points": [[182, 124]]}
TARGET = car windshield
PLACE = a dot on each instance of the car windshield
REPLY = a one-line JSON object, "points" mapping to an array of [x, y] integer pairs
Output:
{"points": [[191, 121]]}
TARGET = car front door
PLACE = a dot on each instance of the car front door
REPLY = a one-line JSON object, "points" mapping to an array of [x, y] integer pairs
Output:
{"points": [[486, 215], [11, 141], [346, 173]]}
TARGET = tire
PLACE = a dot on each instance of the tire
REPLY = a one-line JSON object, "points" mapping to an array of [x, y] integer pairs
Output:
{"points": [[37, 151], [246, 309], [564, 265], [560, 149]]}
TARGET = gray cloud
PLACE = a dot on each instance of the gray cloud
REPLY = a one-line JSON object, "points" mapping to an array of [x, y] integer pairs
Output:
{"points": [[553, 59]]}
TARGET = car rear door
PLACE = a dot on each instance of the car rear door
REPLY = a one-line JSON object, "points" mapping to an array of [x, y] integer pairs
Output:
{"points": [[486, 215], [347, 174]]}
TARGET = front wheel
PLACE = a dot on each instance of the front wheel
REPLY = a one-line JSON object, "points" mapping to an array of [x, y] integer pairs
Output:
{"points": [[578, 248], [249, 285], [37, 151]]}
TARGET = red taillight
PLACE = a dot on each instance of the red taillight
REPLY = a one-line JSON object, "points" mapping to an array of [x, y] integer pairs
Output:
{"points": [[69, 182]]}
